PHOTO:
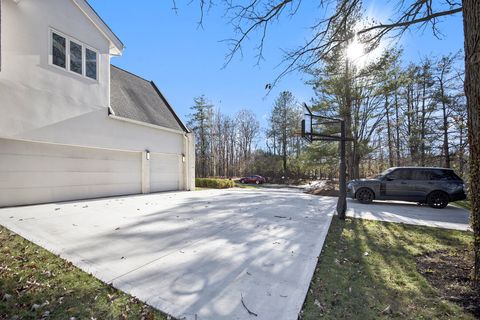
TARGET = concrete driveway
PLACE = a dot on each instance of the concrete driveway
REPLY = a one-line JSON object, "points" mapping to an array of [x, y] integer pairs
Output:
{"points": [[193, 255], [410, 213]]}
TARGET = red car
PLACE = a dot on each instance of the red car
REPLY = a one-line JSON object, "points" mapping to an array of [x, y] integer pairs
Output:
{"points": [[253, 179]]}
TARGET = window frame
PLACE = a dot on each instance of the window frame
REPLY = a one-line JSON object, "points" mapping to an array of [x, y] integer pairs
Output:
{"points": [[83, 45], [82, 60], [51, 50], [97, 55]]}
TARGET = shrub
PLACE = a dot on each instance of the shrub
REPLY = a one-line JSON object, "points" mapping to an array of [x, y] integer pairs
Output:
{"points": [[214, 183]]}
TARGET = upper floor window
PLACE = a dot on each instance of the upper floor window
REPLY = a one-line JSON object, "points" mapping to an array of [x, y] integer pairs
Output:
{"points": [[59, 50], [90, 63], [74, 56]]}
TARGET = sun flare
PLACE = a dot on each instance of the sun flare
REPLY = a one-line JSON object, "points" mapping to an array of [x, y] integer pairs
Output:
{"points": [[355, 51]]}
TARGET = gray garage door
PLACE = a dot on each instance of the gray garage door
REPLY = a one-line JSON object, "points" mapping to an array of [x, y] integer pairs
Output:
{"points": [[33, 172]]}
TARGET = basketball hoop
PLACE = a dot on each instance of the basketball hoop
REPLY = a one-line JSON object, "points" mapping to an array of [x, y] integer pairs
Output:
{"points": [[316, 127]]}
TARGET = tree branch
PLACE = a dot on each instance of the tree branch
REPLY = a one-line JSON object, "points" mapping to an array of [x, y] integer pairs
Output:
{"points": [[411, 22]]}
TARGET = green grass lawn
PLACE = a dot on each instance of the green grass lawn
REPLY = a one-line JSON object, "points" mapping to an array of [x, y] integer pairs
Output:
{"points": [[367, 270], [465, 204], [36, 284]]}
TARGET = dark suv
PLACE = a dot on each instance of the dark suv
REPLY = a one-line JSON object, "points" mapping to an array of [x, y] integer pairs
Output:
{"points": [[434, 186]]}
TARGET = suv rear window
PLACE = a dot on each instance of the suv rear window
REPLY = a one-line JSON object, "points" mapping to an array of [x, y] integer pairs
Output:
{"points": [[439, 174], [424, 174]]}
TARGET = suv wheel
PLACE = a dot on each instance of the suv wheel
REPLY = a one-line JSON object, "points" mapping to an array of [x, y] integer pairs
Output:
{"points": [[365, 195], [437, 199], [257, 181]]}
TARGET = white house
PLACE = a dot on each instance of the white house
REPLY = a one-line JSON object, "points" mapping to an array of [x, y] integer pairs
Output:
{"points": [[71, 125]]}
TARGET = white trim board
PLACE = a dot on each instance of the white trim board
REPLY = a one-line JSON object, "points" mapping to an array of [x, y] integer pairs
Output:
{"points": [[154, 126], [116, 45]]}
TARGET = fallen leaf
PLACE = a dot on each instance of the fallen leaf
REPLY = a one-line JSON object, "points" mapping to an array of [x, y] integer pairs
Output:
{"points": [[318, 304], [386, 310], [72, 310]]}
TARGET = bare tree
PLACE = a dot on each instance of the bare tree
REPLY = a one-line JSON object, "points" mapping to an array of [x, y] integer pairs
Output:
{"points": [[446, 90], [248, 129], [256, 16]]}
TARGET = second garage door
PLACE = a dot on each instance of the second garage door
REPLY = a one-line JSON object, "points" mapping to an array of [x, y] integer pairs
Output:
{"points": [[166, 172]]}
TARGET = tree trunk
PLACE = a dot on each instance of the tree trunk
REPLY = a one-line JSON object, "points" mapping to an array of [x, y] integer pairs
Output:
{"points": [[397, 129], [347, 117], [446, 149], [422, 122], [471, 26], [461, 153], [389, 134], [411, 146]]}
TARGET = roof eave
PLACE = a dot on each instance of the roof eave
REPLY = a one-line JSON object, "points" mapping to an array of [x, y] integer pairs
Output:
{"points": [[116, 45]]}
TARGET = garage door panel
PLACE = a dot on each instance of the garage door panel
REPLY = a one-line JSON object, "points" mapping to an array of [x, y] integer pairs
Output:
{"points": [[36, 179], [165, 172], [33, 172], [54, 194], [15, 162], [18, 147], [167, 184]]}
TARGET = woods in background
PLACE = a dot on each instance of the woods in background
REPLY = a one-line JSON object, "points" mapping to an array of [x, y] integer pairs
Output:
{"points": [[396, 116], [224, 144]]}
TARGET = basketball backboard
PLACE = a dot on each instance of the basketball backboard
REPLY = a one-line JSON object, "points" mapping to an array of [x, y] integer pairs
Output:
{"points": [[320, 128]]}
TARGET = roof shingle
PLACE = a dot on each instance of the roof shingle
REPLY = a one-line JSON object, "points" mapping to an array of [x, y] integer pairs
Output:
{"points": [[135, 98]]}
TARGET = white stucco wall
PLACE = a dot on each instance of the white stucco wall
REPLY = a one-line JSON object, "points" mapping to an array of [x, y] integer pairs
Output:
{"points": [[33, 93], [39, 102]]}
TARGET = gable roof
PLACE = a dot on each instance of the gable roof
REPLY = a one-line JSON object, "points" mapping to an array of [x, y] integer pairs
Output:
{"points": [[135, 98], [116, 45]]}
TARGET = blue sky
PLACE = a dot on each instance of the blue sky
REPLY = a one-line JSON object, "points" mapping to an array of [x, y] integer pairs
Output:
{"points": [[186, 61]]}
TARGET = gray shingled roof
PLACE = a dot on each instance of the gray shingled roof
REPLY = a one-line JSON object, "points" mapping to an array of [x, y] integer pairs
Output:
{"points": [[137, 99]]}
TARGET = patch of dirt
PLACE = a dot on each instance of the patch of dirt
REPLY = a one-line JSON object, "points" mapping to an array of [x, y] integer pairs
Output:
{"points": [[451, 272], [324, 188]]}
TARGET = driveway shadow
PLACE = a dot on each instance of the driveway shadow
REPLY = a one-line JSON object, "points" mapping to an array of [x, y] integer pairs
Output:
{"points": [[193, 254]]}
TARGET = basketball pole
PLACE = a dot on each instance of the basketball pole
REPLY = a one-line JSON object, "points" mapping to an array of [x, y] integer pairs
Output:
{"points": [[342, 197], [342, 176]]}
